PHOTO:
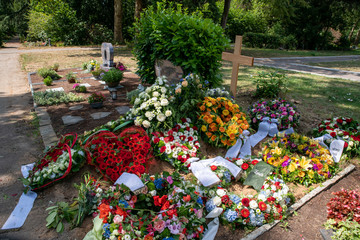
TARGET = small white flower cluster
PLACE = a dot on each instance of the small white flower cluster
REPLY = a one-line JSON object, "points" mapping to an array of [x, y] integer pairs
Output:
{"points": [[218, 92], [56, 169], [152, 105]]}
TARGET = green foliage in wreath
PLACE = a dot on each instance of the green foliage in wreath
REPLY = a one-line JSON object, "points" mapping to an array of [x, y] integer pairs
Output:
{"points": [[188, 41]]}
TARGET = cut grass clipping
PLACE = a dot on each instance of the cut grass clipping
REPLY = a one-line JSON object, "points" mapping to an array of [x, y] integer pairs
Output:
{"points": [[55, 97]]}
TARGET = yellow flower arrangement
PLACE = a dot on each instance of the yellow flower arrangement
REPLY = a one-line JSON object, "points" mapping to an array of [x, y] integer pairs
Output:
{"points": [[299, 158], [221, 121]]}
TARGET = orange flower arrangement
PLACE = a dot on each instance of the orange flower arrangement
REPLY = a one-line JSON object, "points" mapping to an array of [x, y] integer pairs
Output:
{"points": [[222, 121]]}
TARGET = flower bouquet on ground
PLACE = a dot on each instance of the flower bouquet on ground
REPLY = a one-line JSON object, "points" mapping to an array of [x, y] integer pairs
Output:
{"points": [[58, 162], [299, 159], [178, 144], [90, 66], [279, 109], [221, 121], [168, 207], [251, 211], [343, 128], [151, 109], [112, 155]]}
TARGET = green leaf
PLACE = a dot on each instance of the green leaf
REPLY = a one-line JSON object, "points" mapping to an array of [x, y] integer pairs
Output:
{"points": [[60, 227], [50, 219]]}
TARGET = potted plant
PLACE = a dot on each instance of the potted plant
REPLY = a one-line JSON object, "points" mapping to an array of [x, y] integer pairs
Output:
{"points": [[96, 100], [112, 77], [70, 77], [55, 67], [79, 89]]}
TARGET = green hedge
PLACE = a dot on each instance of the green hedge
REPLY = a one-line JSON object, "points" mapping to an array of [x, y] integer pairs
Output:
{"points": [[188, 41], [264, 40]]}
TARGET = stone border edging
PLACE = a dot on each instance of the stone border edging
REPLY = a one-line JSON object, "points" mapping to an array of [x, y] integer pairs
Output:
{"points": [[266, 227], [47, 132]]}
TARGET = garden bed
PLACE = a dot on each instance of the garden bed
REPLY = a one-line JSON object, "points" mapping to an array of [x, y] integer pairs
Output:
{"points": [[56, 112]]}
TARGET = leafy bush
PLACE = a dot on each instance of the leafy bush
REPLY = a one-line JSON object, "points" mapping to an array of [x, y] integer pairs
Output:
{"points": [[261, 40], [113, 76], [346, 230], [99, 33], [241, 21], [55, 97], [269, 85], [48, 81], [188, 41], [47, 72], [1, 38], [37, 22]]}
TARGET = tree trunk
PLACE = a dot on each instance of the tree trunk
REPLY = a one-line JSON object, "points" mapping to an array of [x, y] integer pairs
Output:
{"points": [[139, 5], [357, 38], [118, 36], [225, 13], [352, 30]]}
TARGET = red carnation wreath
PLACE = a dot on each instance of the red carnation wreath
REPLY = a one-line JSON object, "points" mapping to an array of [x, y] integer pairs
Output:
{"points": [[112, 155]]}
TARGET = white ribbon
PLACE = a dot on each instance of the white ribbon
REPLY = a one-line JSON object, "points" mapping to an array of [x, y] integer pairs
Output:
{"points": [[336, 146], [245, 151], [21, 211], [132, 181], [215, 212], [212, 230], [264, 128], [203, 173]]}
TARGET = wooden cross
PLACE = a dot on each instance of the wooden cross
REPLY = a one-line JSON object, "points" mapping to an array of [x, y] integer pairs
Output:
{"points": [[237, 59]]}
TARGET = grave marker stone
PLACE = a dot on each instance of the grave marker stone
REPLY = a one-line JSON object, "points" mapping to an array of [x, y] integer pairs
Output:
{"points": [[107, 53], [166, 68], [237, 59]]}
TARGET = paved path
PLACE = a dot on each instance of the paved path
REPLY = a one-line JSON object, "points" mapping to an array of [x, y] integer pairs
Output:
{"points": [[298, 64]]}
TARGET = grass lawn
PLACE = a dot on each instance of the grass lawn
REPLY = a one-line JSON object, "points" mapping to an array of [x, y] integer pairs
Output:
{"points": [[316, 97], [265, 53], [31, 62], [353, 65]]}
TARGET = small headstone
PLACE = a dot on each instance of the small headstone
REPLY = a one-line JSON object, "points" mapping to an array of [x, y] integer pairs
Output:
{"points": [[326, 233], [71, 120], [59, 89], [107, 53], [85, 85], [100, 115], [122, 110], [76, 107], [172, 73], [114, 88], [102, 82]]}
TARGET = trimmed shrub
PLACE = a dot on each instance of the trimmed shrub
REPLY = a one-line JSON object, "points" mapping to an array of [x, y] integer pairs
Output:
{"points": [[48, 81], [55, 97], [47, 72], [188, 41]]}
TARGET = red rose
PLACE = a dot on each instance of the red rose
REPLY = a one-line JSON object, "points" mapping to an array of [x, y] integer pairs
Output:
{"points": [[333, 134], [339, 120], [245, 202], [190, 139], [346, 133], [336, 126], [262, 206], [162, 149], [245, 213], [346, 145], [213, 167], [156, 140], [349, 120], [321, 129], [254, 162], [225, 199], [245, 166], [166, 205]]}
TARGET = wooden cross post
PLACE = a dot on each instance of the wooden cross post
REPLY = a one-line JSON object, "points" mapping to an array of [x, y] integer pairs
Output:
{"points": [[237, 59]]}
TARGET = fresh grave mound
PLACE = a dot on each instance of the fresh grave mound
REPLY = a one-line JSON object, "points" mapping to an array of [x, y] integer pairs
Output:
{"points": [[344, 128], [299, 159], [65, 157], [221, 121], [284, 112], [177, 145], [167, 207], [112, 155]]}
